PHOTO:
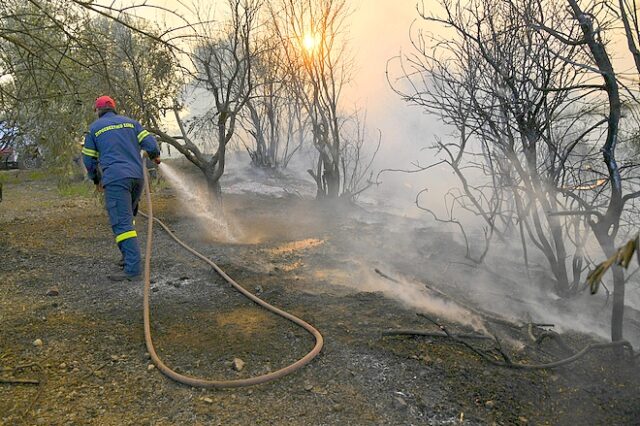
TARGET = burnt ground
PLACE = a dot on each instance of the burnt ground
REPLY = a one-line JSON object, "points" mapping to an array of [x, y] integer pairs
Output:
{"points": [[55, 252]]}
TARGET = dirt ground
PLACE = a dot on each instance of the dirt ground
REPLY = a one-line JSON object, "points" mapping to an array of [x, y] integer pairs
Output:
{"points": [[81, 336]]}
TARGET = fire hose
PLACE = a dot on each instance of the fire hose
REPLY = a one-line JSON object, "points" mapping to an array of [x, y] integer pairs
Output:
{"points": [[195, 381]]}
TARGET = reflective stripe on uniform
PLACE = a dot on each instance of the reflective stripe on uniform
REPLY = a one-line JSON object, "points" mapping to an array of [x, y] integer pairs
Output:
{"points": [[143, 134], [126, 236], [90, 152], [114, 127]]}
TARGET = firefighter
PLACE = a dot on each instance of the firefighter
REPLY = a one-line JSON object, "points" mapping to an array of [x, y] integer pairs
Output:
{"points": [[111, 155]]}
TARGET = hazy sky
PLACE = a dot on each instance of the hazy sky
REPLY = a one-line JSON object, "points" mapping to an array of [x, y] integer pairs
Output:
{"points": [[378, 30]]}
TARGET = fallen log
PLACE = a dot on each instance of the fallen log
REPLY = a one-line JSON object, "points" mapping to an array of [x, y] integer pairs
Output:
{"points": [[481, 313], [409, 332], [11, 380], [519, 366]]}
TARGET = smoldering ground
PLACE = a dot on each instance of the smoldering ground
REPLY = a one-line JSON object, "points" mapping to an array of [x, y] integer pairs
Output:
{"points": [[424, 259], [93, 352]]}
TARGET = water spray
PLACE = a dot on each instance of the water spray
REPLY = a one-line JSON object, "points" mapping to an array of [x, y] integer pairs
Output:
{"points": [[198, 203], [195, 381]]}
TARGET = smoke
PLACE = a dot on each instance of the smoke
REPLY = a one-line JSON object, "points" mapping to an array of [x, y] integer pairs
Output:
{"points": [[412, 249], [418, 297], [412, 241]]}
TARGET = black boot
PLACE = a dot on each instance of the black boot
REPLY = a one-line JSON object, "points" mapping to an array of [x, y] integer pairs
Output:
{"points": [[123, 276]]}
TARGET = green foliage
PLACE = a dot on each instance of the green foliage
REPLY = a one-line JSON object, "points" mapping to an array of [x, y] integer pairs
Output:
{"points": [[17, 176], [35, 175], [138, 72], [56, 58], [42, 90], [76, 189]]}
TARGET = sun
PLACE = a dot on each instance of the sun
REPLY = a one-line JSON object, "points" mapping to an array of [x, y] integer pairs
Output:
{"points": [[309, 42]]}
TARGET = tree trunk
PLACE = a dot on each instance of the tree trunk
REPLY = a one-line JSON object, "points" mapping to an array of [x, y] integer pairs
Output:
{"points": [[259, 157], [332, 182], [562, 277], [617, 312], [214, 189], [606, 228], [607, 243]]}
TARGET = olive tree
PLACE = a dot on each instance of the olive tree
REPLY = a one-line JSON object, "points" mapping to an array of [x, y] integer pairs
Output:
{"points": [[313, 36], [221, 66], [57, 56], [273, 118]]}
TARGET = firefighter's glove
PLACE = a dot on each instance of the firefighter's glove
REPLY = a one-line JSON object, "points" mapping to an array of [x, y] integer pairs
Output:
{"points": [[97, 177], [155, 157]]}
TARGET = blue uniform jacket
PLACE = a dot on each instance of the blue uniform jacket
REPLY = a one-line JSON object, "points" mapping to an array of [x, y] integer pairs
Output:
{"points": [[114, 142]]}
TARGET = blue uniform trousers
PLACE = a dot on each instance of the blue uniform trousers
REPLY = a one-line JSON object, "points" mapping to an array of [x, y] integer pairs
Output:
{"points": [[122, 197]]}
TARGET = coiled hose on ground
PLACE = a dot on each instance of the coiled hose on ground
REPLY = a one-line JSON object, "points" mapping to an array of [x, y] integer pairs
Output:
{"points": [[195, 381]]}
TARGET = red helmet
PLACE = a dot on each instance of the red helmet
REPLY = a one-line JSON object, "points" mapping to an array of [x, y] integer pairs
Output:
{"points": [[105, 102]]}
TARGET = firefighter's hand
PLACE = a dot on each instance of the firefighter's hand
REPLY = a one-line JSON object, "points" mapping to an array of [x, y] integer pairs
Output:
{"points": [[157, 160]]}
